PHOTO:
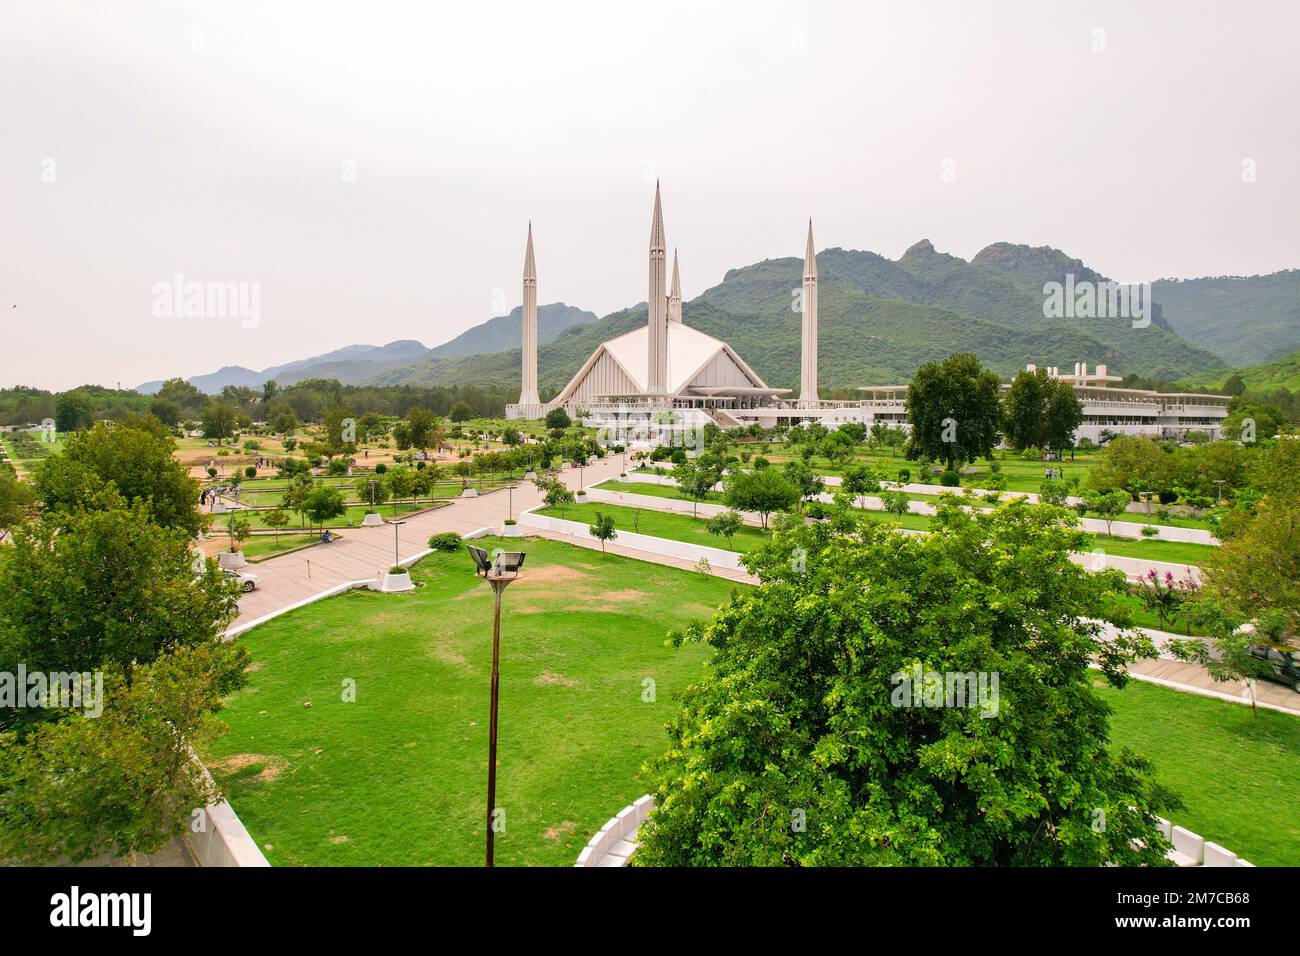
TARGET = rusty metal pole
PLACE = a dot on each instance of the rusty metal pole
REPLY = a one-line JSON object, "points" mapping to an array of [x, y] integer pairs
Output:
{"points": [[498, 583]]}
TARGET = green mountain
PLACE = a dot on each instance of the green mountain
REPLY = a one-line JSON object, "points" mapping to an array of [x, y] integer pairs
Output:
{"points": [[1284, 373], [878, 320], [1247, 320]]}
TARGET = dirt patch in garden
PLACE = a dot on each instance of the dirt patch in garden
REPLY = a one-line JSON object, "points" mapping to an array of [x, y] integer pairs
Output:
{"points": [[560, 831], [341, 838], [552, 678], [620, 597], [551, 574], [445, 654], [272, 766]]}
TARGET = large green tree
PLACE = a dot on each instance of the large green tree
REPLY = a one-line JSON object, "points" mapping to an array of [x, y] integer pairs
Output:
{"points": [[804, 744], [955, 411], [103, 587], [1039, 411], [219, 421], [139, 465]]}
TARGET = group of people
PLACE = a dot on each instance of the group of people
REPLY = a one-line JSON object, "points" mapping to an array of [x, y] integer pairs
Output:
{"points": [[1051, 473], [209, 496]]}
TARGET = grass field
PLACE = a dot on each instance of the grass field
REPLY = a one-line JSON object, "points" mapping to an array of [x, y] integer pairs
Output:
{"points": [[661, 524], [1235, 772], [261, 546], [354, 516], [398, 777]]}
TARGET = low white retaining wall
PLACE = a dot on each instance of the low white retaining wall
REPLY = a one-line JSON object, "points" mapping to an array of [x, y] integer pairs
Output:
{"points": [[224, 840], [717, 557], [616, 841]]}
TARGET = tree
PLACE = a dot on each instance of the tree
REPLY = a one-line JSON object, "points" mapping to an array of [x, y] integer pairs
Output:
{"points": [[805, 743], [725, 524], [1227, 654], [696, 482], [139, 465], [276, 519], [239, 529], [809, 483], [558, 496], [1039, 411], [557, 418], [126, 782], [1130, 464], [860, 480], [73, 412], [763, 491], [896, 503], [1234, 385], [955, 411], [399, 483], [324, 503], [17, 501], [1108, 507], [104, 587], [1256, 571], [218, 421], [602, 529], [182, 393], [337, 437], [423, 429], [1166, 596], [169, 413], [461, 412]]}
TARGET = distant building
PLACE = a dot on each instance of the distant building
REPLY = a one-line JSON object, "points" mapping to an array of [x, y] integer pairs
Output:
{"points": [[1123, 411]]}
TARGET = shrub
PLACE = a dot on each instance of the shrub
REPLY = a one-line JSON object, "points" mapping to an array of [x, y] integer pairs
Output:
{"points": [[250, 472], [397, 569], [1167, 497], [904, 475], [1150, 532], [510, 521], [445, 541], [761, 462], [950, 479], [380, 468]]}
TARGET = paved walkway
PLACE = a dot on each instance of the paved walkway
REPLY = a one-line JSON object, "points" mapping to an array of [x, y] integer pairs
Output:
{"points": [[368, 552]]}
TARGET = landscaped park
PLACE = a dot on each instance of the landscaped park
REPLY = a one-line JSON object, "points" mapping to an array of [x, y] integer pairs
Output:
{"points": [[395, 777]]}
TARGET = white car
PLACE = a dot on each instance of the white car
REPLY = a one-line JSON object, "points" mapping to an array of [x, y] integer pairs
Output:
{"points": [[247, 581]]}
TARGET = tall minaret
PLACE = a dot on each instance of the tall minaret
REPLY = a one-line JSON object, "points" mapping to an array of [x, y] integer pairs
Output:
{"points": [[675, 294], [808, 373], [528, 388], [657, 300]]}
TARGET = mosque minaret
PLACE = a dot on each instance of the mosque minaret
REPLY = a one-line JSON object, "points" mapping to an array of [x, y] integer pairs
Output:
{"points": [[528, 388]]}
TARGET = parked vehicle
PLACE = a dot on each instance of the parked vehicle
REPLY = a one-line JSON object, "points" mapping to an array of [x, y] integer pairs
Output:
{"points": [[1285, 663], [247, 581]]}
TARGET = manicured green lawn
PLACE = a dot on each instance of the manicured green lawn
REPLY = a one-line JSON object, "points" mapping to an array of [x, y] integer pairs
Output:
{"points": [[651, 489], [266, 545], [1176, 552], [398, 777], [1235, 772], [661, 524]]}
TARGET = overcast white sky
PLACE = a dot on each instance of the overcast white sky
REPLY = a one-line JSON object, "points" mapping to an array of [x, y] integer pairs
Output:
{"points": [[139, 140]]}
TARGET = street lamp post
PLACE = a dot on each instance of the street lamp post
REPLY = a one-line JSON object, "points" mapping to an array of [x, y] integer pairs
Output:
{"points": [[499, 574], [396, 554], [373, 482]]}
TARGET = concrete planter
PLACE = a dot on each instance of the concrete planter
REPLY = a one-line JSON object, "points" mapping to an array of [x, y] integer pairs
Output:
{"points": [[469, 493], [374, 520], [511, 531], [393, 583], [530, 475], [231, 560]]}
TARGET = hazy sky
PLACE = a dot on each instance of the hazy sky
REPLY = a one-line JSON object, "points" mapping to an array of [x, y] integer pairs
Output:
{"points": [[372, 166]]}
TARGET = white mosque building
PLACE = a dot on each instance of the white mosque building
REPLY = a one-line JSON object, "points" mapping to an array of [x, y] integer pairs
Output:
{"points": [[666, 379]]}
